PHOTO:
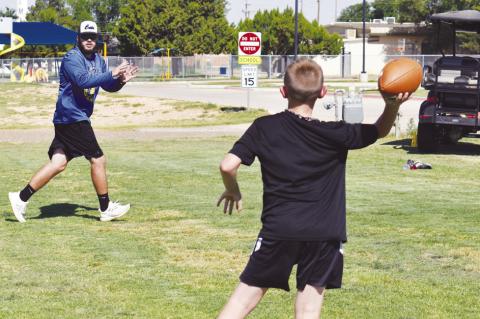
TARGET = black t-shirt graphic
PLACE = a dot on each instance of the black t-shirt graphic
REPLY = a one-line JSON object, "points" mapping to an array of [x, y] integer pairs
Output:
{"points": [[303, 172]]}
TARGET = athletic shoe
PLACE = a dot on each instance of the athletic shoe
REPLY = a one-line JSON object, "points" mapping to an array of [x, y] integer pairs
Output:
{"points": [[18, 206], [113, 211]]}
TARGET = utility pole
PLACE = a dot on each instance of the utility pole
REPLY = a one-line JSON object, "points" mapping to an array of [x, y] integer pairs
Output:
{"points": [[296, 30], [336, 8], [246, 11], [318, 12]]}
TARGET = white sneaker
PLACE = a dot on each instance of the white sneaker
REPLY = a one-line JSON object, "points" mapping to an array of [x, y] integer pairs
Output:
{"points": [[19, 207], [113, 211]]}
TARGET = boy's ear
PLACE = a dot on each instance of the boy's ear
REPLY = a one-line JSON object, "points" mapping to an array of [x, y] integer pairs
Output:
{"points": [[323, 92], [284, 92]]}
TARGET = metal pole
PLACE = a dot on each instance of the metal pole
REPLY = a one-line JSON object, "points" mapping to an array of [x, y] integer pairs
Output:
{"points": [[248, 97], [336, 8], [296, 29], [363, 19], [270, 66], [318, 11]]}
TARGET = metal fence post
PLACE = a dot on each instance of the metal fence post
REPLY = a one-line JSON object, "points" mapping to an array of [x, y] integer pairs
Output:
{"points": [[269, 66]]}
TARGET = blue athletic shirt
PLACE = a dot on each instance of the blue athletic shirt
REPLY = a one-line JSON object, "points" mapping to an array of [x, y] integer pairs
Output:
{"points": [[80, 79]]}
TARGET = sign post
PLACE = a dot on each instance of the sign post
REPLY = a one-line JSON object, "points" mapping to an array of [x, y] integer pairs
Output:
{"points": [[249, 79], [249, 56]]}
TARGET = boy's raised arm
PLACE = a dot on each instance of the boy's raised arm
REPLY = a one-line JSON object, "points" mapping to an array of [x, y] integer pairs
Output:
{"points": [[232, 196], [387, 118]]}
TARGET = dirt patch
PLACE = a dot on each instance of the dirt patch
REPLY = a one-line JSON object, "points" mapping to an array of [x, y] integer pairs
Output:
{"points": [[34, 107]]}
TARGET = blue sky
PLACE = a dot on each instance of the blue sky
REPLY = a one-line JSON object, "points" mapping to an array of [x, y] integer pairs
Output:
{"points": [[327, 8]]}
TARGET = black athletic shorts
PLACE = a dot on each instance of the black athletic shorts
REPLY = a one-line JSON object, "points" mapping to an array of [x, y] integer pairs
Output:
{"points": [[319, 264], [76, 139]]}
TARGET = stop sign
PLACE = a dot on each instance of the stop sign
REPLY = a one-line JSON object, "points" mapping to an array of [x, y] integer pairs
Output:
{"points": [[249, 43]]}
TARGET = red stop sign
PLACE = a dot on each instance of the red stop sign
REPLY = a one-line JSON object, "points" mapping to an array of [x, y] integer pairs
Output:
{"points": [[249, 43]]}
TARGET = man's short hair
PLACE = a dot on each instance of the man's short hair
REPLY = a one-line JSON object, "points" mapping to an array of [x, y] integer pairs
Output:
{"points": [[303, 80]]}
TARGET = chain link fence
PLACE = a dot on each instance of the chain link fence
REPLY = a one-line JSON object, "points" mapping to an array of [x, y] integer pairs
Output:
{"points": [[206, 66]]}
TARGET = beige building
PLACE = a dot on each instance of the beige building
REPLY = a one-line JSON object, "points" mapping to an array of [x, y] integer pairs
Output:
{"points": [[384, 39]]}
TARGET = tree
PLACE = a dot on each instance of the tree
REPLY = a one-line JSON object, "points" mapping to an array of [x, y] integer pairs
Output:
{"points": [[10, 13], [107, 13], [412, 11], [187, 27], [354, 13], [277, 30], [136, 27], [385, 8], [55, 11]]}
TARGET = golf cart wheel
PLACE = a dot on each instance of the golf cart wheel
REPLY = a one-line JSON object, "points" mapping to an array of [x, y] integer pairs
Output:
{"points": [[426, 138]]}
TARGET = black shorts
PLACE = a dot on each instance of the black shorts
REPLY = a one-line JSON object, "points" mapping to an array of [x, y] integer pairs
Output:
{"points": [[76, 139], [320, 264]]}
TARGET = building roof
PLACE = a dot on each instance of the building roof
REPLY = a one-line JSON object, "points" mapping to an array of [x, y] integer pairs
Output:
{"points": [[374, 28]]}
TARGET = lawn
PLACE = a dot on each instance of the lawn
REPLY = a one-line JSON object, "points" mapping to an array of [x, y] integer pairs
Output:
{"points": [[413, 250]]}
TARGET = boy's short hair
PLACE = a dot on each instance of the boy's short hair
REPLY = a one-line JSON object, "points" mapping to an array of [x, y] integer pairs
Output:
{"points": [[303, 80]]}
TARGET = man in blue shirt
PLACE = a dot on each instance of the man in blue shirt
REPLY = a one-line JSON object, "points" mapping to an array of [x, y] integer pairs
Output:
{"points": [[82, 73]]}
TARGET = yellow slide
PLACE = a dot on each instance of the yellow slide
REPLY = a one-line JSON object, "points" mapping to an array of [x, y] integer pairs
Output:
{"points": [[17, 43]]}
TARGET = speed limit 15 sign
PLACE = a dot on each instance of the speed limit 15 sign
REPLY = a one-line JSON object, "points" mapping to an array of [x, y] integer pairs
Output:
{"points": [[249, 76]]}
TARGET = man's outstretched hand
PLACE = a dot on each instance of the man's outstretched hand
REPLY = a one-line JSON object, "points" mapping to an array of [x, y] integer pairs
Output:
{"points": [[130, 73]]}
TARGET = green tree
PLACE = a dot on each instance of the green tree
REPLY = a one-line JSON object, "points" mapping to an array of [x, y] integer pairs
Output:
{"points": [[278, 28], [136, 28], [55, 11], [385, 8], [80, 10], [8, 12], [412, 11], [187, 27], [354, 13], [106, 13]]}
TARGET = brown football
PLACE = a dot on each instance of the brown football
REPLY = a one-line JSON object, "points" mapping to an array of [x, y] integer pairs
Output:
{"points": [[400, 76]]}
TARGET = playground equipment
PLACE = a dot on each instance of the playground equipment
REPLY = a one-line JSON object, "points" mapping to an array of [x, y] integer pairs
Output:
{"points": [[6, 29], [165, 70], [14, 35], [17, 43]]}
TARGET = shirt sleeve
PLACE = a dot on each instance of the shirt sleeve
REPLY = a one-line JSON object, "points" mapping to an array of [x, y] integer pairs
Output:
{"points": [[79, 75], [112, 86], [246, 147], [359, 135]]}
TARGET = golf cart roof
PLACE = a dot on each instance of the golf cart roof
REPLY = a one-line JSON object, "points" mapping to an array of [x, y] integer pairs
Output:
{"points": [[467, 20]]}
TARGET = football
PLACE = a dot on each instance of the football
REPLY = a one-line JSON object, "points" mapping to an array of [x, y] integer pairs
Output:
{"points": [[400, 76]]}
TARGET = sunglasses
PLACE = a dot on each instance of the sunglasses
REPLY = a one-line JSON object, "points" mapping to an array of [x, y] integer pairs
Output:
{"points": [[89, 36]]}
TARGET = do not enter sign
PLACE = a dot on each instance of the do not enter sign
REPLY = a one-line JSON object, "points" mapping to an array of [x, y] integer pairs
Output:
{"points": [[249, 43]]}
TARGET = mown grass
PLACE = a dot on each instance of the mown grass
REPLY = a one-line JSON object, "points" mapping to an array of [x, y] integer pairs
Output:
{"points": [[413, 250]]}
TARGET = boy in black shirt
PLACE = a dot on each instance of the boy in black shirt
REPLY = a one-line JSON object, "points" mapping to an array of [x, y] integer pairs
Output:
{"points": [[303, 171]]}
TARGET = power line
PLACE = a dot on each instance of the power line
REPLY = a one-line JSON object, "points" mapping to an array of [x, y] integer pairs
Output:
{"points": [[246, 11]]}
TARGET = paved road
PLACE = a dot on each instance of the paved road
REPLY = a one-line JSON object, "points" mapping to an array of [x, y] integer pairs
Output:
{"points": [[267, 98]]}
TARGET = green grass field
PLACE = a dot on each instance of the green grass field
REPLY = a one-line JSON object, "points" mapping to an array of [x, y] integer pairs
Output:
{"points": [[413, 250]]}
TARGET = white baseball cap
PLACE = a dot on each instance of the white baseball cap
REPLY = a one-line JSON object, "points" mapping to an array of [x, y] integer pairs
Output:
{"points": [[88, 27]]}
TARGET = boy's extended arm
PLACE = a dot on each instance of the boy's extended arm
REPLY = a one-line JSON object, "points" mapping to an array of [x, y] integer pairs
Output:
{"points": [[385, 121], [232, 196]]}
